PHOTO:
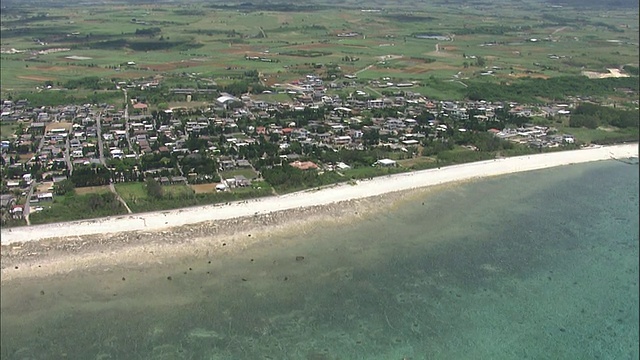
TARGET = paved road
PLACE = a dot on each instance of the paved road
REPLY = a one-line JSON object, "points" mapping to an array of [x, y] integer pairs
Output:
{"points": [[126, 123], [100, 146], [67, 157], [32, 187], [104, 163]]}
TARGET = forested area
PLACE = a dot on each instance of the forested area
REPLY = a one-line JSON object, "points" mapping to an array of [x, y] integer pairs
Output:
{"points": [[592, 116], [533, 90]]}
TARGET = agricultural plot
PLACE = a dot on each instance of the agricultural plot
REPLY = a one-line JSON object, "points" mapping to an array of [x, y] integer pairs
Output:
{"points": [[496, 43]]}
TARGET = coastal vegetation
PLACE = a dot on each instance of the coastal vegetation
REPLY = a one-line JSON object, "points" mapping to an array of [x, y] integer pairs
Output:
{"points": [[78, 207], [141, 197]]}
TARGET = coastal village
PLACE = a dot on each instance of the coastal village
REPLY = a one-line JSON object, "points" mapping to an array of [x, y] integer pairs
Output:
{"points": [[212, 147]]}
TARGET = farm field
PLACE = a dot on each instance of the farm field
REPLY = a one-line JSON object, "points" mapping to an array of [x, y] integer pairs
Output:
{"points": [[440, 48]]}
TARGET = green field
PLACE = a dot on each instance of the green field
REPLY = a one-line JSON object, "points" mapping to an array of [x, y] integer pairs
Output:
{"points": [[187, 44], [7, 130]]}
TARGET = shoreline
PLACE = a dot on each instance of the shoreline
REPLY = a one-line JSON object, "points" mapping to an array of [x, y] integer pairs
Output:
{"points": [[168, 219], [237, 226]]}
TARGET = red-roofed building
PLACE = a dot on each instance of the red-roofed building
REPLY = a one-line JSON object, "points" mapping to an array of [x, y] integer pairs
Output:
{"points": [[304, 165], [17, 211]]}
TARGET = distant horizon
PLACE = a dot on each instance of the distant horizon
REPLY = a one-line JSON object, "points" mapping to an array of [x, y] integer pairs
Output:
{"points": [[585, 4]]}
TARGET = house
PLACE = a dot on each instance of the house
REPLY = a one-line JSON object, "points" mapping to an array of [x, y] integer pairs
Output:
{"points": [[37, 128], [342, 140], [7, 201], [140, 106], [45, 196], [304, 165], [227, 164], [241, 181], [243, 163], [569, 139], [178, 180], [386, 163], [17, 211]]}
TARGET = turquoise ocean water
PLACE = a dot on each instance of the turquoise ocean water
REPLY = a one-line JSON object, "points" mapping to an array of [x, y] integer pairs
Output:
{"points": [[539, 265]]}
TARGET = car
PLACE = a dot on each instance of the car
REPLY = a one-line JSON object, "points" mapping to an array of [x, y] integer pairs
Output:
{"points": [[38, 208]]}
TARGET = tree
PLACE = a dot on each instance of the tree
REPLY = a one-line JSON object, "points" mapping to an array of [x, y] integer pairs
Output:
{"points": [[154, 189], [63, 187]]}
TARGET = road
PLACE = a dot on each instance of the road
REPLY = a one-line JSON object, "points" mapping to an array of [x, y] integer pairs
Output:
{"points": [[363, 69], [104, 163], [126, 122], [100, 146], [32, 187], [67, 157]]}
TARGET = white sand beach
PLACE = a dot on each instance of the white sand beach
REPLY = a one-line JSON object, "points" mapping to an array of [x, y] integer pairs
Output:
{"points": [[163, 220]]}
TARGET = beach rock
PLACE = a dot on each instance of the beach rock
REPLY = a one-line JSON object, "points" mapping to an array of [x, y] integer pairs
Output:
{"points": [[167, 352], [204, 334], [24, 353]]}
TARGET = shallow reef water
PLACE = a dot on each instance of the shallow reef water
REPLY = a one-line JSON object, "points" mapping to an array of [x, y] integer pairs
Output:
{"points": [[537, 265]]}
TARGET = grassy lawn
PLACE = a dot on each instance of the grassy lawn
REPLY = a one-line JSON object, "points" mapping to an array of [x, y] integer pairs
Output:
{"points": [[421, 162], [595, 135], [177, 190], [256, 186], [373, 171], [92, 190], [131, 191], [7, 130], [14, 222]]}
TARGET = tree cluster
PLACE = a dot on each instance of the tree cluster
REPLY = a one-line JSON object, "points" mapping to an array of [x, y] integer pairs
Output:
{"points": [[89, 175], [591, 116]]}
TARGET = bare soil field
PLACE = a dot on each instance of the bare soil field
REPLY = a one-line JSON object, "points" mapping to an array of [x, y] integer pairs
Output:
{"points": [[36, 78], [92, 190], [613, 73], [173, 65], [524, 75], [60, 125], [204, 188], [443, 54], [54, 68], [25, 157], [44, 187]]}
